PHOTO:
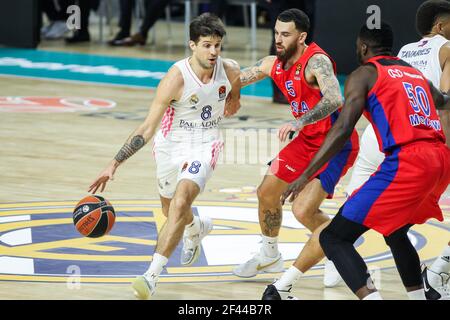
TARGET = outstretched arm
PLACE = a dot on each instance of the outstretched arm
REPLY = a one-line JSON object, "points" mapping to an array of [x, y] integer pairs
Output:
{"points": [[258, 71], [169, 89], [321, 67], [356, 90]]}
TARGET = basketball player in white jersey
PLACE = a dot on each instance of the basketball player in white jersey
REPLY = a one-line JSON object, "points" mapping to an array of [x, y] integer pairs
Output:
{"points": [[190, 103], [430, 55]]}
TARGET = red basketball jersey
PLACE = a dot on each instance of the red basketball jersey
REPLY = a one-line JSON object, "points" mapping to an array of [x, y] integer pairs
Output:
{"points": [[302, 96], [400, 105]]}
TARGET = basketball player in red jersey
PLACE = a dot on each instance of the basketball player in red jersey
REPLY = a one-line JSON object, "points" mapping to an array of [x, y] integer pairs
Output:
{"points": [[307, 77], [401, 105], [430, 55]]}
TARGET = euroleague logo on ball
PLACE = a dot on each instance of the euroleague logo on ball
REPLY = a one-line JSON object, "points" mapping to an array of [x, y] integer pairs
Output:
{"points": [[97, 217], [40, 243], [53, 104]]}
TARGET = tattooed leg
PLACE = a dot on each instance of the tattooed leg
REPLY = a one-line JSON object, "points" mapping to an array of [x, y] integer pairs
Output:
{"points": [[271, 222], [270, 211]]}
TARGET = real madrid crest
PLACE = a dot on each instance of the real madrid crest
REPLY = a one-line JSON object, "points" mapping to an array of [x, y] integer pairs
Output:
{"points": [[193, 99]]}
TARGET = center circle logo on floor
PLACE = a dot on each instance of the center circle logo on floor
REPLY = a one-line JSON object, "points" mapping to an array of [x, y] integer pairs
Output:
{"points": [[53, 104], [39, 242]]}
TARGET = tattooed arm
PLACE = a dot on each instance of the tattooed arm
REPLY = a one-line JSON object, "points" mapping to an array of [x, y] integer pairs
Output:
{"points": [[169, 89], [258, 71], [320, 69]]}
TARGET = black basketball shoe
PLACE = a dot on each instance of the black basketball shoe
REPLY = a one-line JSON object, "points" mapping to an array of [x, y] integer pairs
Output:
{"points": [[272, 293], [441, 292]]}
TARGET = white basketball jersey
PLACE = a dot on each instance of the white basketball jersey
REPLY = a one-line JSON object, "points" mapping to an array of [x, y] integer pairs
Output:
{"points": [[424, 56], [198, 113]]}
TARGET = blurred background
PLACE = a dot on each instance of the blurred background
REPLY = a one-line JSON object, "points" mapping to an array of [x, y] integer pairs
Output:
{"points": [[159, 27]]}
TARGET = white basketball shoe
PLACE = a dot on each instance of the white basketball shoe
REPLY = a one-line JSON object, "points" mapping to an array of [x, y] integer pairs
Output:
{"points": [[144, 286], [192, 245], [331, 276], [258, 264]]}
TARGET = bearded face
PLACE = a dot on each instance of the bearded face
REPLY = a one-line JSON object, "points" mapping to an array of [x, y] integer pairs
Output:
{"points": [[287, 40], [284, 54]]}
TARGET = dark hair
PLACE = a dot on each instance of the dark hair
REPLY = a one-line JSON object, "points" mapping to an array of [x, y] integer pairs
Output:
{"points": [[300, 19], [206, 24], [427, 14], [378, 39]]}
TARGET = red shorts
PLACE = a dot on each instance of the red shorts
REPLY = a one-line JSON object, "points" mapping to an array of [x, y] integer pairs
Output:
{"points": [[293, 159], [405, 189]]}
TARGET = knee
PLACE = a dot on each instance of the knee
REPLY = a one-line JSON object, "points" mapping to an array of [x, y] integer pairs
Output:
{"points": [[326, 239], [302, 214], [267, 196]]}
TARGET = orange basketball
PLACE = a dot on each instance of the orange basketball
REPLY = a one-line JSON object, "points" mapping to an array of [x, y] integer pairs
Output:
{"points": [[94, 216]]}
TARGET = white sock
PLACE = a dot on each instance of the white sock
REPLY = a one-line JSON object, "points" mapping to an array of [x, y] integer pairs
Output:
{"points": [[417, 294], [288, 279], [193, 228], [442, 263], [270, 246], [157, 264], [373, 296]]}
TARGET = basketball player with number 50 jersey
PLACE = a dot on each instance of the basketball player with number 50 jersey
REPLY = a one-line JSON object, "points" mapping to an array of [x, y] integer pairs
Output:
{"points": [[401, 105], [430, 55]]}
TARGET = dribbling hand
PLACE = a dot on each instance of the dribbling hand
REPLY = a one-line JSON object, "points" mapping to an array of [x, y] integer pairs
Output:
{"points": [[102, 179]]}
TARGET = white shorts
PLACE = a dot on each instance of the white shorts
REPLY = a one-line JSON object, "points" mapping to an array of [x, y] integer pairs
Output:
{"points": [[368, 161], [179, 160]]}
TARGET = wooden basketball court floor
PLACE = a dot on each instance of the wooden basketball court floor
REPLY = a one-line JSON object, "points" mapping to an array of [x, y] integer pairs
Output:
{"points": [[48, 160]]}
